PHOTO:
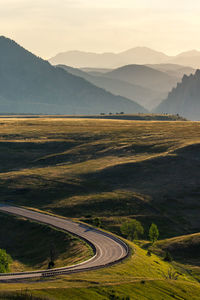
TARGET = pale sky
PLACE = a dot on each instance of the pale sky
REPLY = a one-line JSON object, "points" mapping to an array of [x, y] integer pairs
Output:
{"points": [[47, 27]]}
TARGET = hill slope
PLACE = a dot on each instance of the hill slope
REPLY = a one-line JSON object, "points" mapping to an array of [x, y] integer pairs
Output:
{"points": [[184, 99], [184, 248], [146, 97], [31, 85], [144, 76], [174, 70]]}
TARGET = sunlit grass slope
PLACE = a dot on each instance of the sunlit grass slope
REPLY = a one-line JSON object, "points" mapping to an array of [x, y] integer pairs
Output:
{"points": [[105, 168], [115, 170], [139, 277]]}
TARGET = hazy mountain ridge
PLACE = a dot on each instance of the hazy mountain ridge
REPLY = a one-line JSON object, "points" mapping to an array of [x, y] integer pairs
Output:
{"points": [[137, 55], [144, 76], [145, 96], [32, 85], [174, 70], [184, 99]]}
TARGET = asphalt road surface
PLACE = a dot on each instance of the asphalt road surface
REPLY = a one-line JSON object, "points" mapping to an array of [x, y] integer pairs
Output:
{"points": [[107, 248]]}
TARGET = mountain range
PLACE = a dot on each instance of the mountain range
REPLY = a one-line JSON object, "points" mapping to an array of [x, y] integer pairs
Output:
{"points": [[143, 84], [184, 99], [30, 84], [138, 55]]}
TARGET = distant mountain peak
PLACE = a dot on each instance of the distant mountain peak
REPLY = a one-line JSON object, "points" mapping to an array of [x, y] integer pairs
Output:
{"points": [[142, 49], [189, 53], [81, 59], [30, 84], [137, 55], [184, 99]]}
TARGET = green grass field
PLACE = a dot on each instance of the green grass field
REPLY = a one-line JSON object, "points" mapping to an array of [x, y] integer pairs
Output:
{"points": [[115, 170], [139, 277]]}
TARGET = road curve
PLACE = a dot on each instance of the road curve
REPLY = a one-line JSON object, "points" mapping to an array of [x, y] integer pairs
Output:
{"points": [[108, 249]]}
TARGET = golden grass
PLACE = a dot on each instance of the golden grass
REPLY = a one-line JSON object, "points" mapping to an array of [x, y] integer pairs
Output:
{"points": [[114, 169]]}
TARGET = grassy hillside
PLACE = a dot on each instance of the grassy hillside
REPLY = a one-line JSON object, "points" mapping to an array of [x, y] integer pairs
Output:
{"points": [[105, 168], [184, 248], [115, 170], [19, 237], [138, 277]]}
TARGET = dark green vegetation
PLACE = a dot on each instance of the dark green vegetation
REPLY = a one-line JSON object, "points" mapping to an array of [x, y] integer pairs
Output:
{"points": [[23, 295], [5, 261], [132, 229], [112, 171], [184, 99], [153, 233], [31, 85], [30, 244]]}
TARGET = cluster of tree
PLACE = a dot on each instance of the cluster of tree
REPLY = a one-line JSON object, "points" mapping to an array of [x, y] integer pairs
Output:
{"points": [[133, 229], [110, 113]]}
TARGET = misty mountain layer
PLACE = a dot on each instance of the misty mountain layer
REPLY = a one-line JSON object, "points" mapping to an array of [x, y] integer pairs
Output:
{"points": [[144, 96], [138, 55], [31, 85]]}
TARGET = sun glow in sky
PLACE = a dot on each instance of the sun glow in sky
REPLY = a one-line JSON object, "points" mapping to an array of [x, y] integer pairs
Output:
{"points": [[47, 27]]}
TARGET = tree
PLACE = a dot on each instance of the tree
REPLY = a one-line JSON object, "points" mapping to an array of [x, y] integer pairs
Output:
{"points": [[52, 257], [5, 261], [132, 229], [96, 222], [168, 256], [153, 233]]}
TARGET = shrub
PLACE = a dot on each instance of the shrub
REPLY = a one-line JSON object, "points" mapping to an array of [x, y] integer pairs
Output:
{"points": [[168, 256]]}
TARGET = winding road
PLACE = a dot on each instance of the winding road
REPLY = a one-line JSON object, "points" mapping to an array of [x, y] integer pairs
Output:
{"points": [[108, 249]]}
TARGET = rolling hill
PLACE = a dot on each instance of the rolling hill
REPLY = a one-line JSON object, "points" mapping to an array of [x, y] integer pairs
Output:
{"points": [[31, 85], [184, 99], [115, 171], [184, 248]]}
